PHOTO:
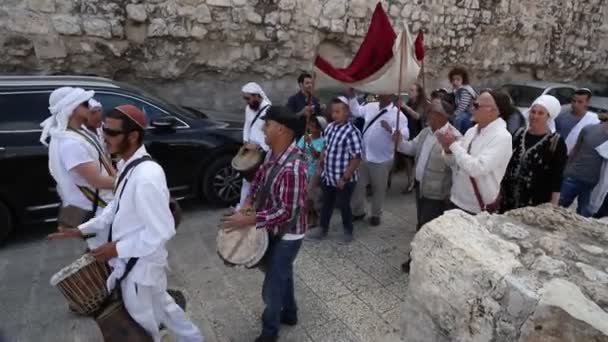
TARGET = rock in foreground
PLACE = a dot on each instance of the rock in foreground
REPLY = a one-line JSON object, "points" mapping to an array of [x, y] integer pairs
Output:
{"points": [[533, 274]]}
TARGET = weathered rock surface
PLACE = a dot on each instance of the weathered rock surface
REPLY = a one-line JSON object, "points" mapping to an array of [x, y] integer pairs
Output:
{"points": [[497, 40], [531, 275]]}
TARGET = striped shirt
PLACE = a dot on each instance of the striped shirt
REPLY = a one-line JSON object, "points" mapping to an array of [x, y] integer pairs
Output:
{"points": [[343, 143], [287, 193]]}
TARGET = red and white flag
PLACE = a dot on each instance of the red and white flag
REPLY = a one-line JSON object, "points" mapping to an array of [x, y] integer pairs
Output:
{"points": [[381, 57]]}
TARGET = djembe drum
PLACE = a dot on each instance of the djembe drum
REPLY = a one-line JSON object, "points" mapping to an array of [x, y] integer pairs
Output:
{"points": [[242, 247], [83, 284], [248, 160]]}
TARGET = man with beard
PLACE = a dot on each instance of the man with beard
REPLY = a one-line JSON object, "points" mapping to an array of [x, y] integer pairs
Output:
{"points": [[302, 102], [75, 161], [275, 202], [140, 224], [253, 130]]}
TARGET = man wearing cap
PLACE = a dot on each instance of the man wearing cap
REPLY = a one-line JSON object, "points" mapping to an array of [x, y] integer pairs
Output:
{"points": [[378, 152], [274, 203], [569, 123], [253, 129], [140, 224], [479, 160], [76, 162], [433, 175]]}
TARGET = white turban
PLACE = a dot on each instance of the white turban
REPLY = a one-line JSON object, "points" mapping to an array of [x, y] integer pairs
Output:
{"points": [[94, 104], [254, 88], [62, 103], [550, 103]]}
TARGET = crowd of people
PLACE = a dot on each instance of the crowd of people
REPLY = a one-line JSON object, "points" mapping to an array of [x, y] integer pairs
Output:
{"points": [[466, 150]]}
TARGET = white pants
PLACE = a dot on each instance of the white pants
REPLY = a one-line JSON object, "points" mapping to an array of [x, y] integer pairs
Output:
{"points": [[150, 306], [244, 193]]}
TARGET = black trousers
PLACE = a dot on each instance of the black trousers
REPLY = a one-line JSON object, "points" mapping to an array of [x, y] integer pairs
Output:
{"points": [[428, 209]]}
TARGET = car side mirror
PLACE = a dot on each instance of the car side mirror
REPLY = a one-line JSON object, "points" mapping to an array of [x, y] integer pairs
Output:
{"points": [[165, 123]]}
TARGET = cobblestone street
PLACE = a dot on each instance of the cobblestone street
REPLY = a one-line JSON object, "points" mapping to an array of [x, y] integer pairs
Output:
{"points": [[345, 293]]}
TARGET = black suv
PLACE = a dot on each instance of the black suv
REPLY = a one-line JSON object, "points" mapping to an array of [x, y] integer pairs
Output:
{"points": [[194, 150]]}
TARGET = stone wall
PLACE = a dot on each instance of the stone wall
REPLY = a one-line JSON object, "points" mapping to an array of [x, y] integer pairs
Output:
{"points": [[211, 47]]}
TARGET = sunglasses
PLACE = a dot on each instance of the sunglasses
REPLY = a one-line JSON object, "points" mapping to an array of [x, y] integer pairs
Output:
{"points": [[112, 132]]}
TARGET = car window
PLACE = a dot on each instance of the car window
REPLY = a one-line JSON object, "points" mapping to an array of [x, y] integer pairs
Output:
{"points": [[523, 96], [563, 95], [111, 100], [23, 111]]}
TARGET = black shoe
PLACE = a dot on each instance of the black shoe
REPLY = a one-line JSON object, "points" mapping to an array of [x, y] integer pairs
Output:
{"points": [[405, 267], [358, 217], [374, 221], [290, 322], [263, 338]]}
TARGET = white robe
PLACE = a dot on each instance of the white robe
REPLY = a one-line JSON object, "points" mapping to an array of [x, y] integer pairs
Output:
{"points": [[601, 189], [590, 118], [253, 134], [142, 226]]}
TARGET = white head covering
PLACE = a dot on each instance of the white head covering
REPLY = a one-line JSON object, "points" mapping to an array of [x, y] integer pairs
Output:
{"points": [[550, 103], [343, 99], [62, 103], [94, 104], [254, 88]]}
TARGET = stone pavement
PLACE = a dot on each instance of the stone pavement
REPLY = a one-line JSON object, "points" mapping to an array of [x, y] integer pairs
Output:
{"points": [[345, 293]]}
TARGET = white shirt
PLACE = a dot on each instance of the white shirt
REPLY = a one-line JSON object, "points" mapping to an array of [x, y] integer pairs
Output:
{"points": [[378, 145], [143, 224], [255, 133], [409, 147], [66, 152], [491, 150]]}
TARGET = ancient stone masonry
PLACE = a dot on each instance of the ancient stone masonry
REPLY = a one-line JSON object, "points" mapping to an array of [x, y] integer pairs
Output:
{"points": [[533, 274], [165, 40]]}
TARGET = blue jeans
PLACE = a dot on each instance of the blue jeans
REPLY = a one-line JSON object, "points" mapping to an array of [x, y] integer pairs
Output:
{"points": [[573, 188], [278, 291], [463, 122], [333, 196]]}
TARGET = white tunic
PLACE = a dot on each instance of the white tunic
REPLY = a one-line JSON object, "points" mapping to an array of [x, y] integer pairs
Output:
{"points": [[491, 150], [378, 145], [255, 133]]}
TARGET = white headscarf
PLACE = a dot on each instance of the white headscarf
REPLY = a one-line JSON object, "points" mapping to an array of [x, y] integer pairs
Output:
{"points": [[94, 104], [254, 88], [62, 103], [550, 103]]}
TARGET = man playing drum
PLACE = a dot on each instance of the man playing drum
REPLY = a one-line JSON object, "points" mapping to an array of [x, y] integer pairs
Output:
{"points": [[140, 224], [277, 194], [253, 133], [77, 163]]}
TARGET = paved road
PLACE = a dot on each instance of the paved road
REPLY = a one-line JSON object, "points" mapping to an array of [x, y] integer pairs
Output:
{"points": [[345, 293]]}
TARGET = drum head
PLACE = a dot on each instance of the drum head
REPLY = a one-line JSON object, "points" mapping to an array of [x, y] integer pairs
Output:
{"points": [[249, 157], [244, 247], [72, 268]]}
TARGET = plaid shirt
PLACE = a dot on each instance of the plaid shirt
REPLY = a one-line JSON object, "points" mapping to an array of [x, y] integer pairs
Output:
{"points": [[287, 193], [343, 143]]}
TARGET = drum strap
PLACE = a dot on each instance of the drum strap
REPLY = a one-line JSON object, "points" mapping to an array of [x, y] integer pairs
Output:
{"points": [[263, 195], [257, 115]]}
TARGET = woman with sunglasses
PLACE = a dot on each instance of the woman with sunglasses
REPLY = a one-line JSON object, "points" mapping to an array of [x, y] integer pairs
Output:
{"points": [[534, 174]]}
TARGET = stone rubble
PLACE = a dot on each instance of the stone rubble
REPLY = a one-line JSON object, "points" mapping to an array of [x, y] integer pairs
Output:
{"points": [[532, 274]]}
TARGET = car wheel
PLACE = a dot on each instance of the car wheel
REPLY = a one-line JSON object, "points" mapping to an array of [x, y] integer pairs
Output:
{"points": [[6, 222], [221, 183]]}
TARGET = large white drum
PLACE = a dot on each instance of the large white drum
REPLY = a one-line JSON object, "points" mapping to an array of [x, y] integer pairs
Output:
{"points": [[242, 247]]}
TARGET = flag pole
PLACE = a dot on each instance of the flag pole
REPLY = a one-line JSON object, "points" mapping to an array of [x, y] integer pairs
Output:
{"points": [[399, 88]]}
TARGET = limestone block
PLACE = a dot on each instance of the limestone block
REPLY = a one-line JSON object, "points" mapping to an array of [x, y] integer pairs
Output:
{"points": [[220, 3], [334, 9], [357, 8], [285, 18], [97, 27], [137, 13], [198, 32], [157, 28], [202, 14], [337, 26], [271, 18], [287, 5], [253, 17], [118, 30], [239, 3], [67, 24], [512, 277], [136, 33], [18, 46], [49, 47], [65, 6], [28, 22], [47, 6]]}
